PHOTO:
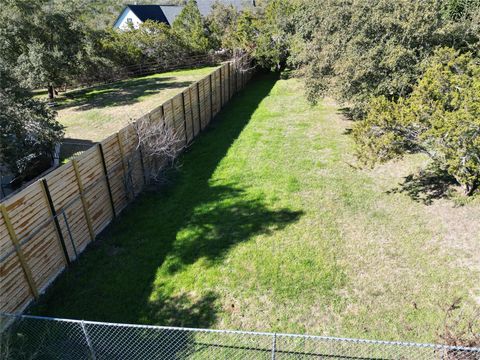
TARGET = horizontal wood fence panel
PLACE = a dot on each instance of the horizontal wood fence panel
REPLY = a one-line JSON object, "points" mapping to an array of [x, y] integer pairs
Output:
{"points": [[168, 114], [16, 293], [6, 244], [114, 163], [65, 194], [14, 288], [92, 176], [51, 222]]}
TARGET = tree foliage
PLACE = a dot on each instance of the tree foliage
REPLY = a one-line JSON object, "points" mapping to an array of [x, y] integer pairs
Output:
{"points": [[44, 42], [264, 31], [151, 42], [29, 128], [275, 27], [441, 118], [221, 25], [354, 49], [189, 27]]}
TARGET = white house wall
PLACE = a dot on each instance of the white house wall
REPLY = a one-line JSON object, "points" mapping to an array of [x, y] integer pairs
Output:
{"points": [[122, 22]]}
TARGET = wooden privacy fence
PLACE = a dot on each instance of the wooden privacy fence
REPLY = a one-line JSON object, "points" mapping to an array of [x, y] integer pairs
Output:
{"points": [[47, 225]]}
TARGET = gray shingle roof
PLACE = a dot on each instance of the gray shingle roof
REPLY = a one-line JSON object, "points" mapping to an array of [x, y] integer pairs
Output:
{"points": [[171, 12]]}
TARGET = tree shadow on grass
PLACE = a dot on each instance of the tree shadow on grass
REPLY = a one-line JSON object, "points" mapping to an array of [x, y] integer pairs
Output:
{"points": [[162, 233], [429, 184], [120, 93], [347, 113]]}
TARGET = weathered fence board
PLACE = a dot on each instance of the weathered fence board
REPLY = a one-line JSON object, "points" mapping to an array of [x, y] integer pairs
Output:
{"points": [[48, 224]]}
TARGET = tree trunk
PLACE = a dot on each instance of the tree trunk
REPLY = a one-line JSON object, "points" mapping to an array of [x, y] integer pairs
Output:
{"points": [[51, 92], [470, 188]]}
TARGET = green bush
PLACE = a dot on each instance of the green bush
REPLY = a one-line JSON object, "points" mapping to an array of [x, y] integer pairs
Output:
{"points": [[190, 28], [151, 42], [263, 31], [440, 118], [28, 127]]}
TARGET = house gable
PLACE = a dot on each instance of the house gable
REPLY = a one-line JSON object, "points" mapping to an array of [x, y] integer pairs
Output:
{"points": [[125, 18], [137, 14]]}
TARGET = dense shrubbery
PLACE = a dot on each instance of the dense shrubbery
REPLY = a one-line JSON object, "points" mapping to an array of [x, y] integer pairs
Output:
{"points": [[29, 128], [263, 31], [441, 118], [357, 49], [151, 42], [190, 28]]}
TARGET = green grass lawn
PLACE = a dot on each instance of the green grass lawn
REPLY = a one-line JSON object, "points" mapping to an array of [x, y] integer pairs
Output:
{"points": [[269, 225], [97, 112]]}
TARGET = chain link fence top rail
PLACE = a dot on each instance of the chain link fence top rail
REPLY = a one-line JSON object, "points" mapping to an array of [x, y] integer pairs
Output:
{"points": [[32, 337]]}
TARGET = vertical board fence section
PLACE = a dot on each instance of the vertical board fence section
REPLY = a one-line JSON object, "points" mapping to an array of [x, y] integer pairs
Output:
{"points": [[49, 224]]}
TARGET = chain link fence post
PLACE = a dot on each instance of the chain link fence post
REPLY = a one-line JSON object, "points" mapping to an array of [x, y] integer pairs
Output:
{"points": [[274, 345], [87, 339]]}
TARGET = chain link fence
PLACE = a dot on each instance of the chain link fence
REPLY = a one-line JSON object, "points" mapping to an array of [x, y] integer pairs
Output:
{"points": [[30, 337]]}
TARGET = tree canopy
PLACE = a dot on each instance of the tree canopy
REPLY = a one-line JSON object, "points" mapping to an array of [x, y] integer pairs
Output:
{"points": [[29, 128], [45, 42], [354, 49], [189, 27]]}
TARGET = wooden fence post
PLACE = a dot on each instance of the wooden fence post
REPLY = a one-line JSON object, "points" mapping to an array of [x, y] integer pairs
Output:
{"points": [[162, 116], [21, 257], [221, 88], [235, 72], [122, 157], [140, 152], [184, 119], [191, 111], [199, 108], [84, 201], [107, 178], [211, 98], [229, 81], [53, 214]]}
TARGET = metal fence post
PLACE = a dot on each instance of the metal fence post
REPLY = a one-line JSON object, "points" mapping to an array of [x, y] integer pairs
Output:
{"points": [[70, 234], [107, 179], [274, 345], [87, 338], [53, 214]]}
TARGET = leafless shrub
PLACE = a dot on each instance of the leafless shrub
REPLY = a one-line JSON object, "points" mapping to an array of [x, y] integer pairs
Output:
{"points": [[242, 61], [159, 145], [461, 329]]}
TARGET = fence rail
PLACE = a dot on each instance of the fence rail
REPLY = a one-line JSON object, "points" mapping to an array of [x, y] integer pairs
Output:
{"points": [[111, 74], [45, 227], [32, 337]]}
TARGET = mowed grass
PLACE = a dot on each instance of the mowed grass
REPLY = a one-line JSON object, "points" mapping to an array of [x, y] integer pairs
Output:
{"points": [[270, 226], [97, 112]]}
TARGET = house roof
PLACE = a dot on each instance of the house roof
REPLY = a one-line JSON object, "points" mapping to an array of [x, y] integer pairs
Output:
{"points": [[168, 13], [148, 12], [171, 12]]}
